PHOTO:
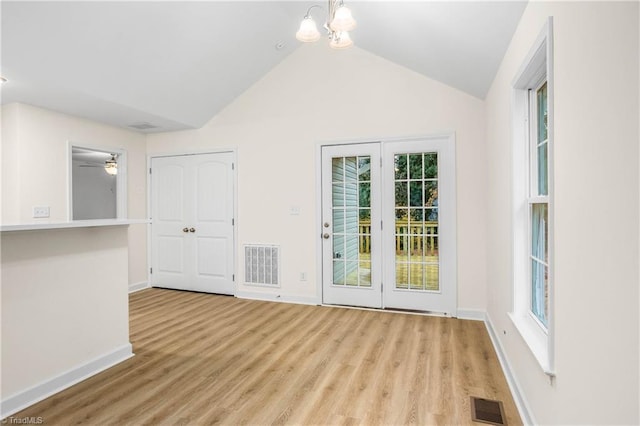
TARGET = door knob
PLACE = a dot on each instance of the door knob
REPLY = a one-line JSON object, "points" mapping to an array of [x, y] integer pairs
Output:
{"points": [[192, 230], [185, 229], [326, 235]]}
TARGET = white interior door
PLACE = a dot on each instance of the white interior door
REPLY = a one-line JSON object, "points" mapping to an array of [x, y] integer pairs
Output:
{"points": [[351, 225], [389, 226], [192, 242]]}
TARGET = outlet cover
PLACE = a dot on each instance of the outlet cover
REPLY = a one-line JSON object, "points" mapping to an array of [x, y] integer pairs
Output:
{"points": [[40, 212]]}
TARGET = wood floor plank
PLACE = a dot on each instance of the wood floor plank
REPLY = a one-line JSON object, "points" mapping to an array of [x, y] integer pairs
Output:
{"points": [[205, 359]]}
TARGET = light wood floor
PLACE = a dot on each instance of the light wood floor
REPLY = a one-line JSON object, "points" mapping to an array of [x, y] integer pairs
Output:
{"points": [[205, 359]]}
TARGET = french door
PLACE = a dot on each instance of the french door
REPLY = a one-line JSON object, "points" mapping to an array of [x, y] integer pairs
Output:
{"points": [[192, 242], [389, 225]]}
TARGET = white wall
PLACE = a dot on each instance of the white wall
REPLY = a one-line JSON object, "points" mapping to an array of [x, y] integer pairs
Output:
{"points": [[64, 305], [321, 95], [35, 161], [596, 217]]}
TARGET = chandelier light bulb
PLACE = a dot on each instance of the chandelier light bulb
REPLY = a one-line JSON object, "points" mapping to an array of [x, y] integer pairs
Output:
{"points": [[340, 40], [308, 32], [342, 20]]}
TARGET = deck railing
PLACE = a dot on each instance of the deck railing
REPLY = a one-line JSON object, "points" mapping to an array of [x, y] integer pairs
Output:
{"points": [[413, 237]]}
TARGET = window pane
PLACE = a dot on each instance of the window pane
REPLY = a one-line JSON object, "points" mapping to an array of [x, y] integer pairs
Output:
{"points": [[364, 194], [431, 193], [402, 275], [401, 194], [400, 164], [338, 220], [542, 113], [338, 272], [430, 165], [415, 193], [415, 166], [543, 167], [364, 168], [365, 274], [540, 291], [350, 169], [337, 169], [431, 277], [539, 232]]}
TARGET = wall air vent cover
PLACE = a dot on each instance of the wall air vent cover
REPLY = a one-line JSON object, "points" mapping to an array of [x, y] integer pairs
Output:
{"points": [[143, 126], [262, 264]]}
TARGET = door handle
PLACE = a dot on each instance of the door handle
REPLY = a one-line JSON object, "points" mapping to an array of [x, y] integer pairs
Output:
{"points": [[326, 235], [185, 229], [192, 230]]}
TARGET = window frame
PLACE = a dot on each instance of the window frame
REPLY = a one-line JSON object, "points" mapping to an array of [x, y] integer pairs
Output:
{"points": [[536, 69]]}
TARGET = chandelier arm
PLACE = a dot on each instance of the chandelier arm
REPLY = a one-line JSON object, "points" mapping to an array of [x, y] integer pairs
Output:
{"points": [[308, 14]]}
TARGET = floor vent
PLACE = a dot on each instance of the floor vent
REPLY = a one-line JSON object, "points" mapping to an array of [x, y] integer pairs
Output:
{"points": [[487, 411], [262, 264]]}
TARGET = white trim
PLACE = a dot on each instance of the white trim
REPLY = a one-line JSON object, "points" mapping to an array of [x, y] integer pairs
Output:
{"points": [[516, 390], [133, 287], [275, 297], [471, 314], [37, 393]]}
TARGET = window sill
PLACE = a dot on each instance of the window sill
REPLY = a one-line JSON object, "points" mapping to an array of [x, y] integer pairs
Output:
{"points": [[535, 338]]}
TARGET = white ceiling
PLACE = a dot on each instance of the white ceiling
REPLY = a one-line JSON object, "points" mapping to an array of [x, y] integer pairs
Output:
{"points": [[177, 64]]}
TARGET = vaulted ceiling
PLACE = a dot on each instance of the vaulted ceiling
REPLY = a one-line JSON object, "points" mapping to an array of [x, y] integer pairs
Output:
{"points": [[174, 65]]}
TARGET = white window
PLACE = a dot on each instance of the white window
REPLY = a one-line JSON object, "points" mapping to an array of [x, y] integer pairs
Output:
{"points": [[532, 118]]}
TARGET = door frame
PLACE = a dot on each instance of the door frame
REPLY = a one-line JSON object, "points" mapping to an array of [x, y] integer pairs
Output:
{"points": [[234, 155], [384, 140]]}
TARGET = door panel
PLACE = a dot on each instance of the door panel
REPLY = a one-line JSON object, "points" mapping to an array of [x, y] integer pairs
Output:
{"points": [[192, 222], [351, 247], [419, 182]]}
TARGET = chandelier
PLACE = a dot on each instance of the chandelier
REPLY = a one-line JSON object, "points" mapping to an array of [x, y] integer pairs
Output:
{"points": [[339, 23]]}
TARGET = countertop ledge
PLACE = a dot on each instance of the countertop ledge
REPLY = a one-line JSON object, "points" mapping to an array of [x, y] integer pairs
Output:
{"points": [[71, 224]]}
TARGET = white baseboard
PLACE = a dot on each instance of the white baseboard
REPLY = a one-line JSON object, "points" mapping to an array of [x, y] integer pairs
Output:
{"points": [[514, 386], [138, 286], [272, 297], [37, 393], [471, 314]]}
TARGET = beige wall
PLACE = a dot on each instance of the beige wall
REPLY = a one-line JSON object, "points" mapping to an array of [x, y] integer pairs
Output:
{"points": [[60, 310], [596, 214], [35, 161], [321, 95]]}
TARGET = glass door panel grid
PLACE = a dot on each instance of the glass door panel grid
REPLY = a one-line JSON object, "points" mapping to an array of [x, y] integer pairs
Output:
{"points": [[416, 222], [351, 205]]}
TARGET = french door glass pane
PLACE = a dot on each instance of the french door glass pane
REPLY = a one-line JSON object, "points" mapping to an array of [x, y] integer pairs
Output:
{"points": [[351, 203], [416, 221]]}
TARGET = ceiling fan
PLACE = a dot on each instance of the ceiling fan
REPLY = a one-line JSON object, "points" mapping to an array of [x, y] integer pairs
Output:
{"points": [[110, 166]]}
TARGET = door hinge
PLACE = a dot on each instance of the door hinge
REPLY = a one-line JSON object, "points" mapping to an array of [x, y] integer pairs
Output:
{"points": [[381, 286], [233, 277], [149, 170], [380, 162], [233, 222], [381, 226], [233, 166], [151, 270]]}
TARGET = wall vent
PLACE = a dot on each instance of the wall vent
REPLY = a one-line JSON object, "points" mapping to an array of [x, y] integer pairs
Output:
{"points": [[262, 264]]}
